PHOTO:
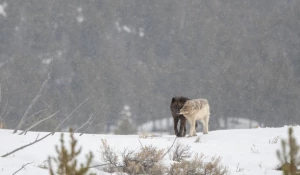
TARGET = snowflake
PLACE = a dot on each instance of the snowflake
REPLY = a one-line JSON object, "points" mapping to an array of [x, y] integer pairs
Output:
{"points": [[2, 7]]}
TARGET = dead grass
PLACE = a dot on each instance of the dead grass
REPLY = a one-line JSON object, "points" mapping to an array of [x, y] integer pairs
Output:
{"points": [[180, 153], [108, 156], [145, 135], [148, 160], [198, 166], [198, 140], [274, 140]]}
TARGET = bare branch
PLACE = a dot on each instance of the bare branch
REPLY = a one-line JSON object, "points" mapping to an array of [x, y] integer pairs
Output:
{"points": [[90, 123], [8, 111], [181, 153], [22, 147], [107, 153], [30, 106], [169, 148], [100, 110], [4, 109], [141, 143], [101, 165], [102, 106], [86, 128], [34, 125], [22, 167], [69, 115], [87, 122], [38, 112], [43, 100], [37, 136], [99, 124]]}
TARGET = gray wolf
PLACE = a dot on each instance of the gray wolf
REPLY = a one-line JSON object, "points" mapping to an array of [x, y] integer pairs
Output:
{"points": [[196, 109]]}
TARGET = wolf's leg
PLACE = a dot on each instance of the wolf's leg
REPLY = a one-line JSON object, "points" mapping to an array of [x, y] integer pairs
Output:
{"points": [[182, 130], [192, 127], [207, 121], [194, 133], [175, 119], [205, 124]]}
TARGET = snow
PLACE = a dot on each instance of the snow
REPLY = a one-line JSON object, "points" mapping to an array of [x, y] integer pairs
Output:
{"points": [[166, 124], [141, 32], [126, 29], [160, 124], [2, 9], [117, 24], [80, 19], [244, 151], [79, 9], [47, 61]]}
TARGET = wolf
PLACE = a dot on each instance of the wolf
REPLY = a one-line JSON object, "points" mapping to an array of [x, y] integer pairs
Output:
{"points": [[176, 104], [196, 109], [1, 125]]}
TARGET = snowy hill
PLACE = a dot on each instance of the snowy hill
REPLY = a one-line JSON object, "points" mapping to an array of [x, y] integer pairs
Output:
{"points": [[243, 151]]}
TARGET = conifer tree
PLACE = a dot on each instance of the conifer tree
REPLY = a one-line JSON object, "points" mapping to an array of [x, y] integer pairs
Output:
{"points": [[289, 160], [66, 160]]}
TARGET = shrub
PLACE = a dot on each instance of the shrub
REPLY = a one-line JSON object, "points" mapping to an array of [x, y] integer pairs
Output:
{"points": [[180, 153], [145, 135], [66, 161], [290, 160], [197, 166], [147, 160], [108, 156], [198, 140]]}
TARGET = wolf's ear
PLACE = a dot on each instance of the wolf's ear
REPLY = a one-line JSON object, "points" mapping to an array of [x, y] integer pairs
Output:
{"points": [[188, 103], [183, 100], [173, 99]]}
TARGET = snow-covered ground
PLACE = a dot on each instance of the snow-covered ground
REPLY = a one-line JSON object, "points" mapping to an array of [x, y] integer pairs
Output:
{"points": [[166, 124], [244, 151]]}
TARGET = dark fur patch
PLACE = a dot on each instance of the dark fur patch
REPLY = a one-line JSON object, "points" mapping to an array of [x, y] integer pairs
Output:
{"points": [[176, 104]]}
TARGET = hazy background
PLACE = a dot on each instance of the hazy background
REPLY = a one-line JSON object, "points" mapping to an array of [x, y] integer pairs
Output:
{"points": [[130, 57]]}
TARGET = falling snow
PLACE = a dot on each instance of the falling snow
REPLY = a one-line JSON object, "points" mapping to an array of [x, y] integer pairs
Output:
{"points": [[2, 9]]}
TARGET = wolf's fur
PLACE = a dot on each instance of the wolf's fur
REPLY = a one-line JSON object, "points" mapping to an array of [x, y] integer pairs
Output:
{"points": [[1, 125], [176, 104], [196, 109]]}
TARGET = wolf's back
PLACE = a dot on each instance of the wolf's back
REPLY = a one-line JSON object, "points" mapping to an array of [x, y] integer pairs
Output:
{"points": [[199, 104]]}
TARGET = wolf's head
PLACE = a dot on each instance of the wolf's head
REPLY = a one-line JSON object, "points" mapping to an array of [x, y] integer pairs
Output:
{"points": [[176, 104], [187, 108], [192, 106]]}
